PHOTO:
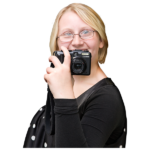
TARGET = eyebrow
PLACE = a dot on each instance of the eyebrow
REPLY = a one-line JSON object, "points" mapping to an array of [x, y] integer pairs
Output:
{"points": [[69, 29]]}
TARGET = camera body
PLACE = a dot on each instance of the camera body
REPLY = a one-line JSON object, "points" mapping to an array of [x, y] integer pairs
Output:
{"points": [[80, 61]]}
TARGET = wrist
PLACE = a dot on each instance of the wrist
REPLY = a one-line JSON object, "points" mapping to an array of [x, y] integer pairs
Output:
{"points": [[68, 95]]}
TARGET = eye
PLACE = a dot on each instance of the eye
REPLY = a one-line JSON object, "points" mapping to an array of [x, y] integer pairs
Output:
{"points": [[85, 32], [67, 34]]}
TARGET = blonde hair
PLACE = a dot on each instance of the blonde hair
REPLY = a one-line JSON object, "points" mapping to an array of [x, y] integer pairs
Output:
{"points": [[90, 17]]}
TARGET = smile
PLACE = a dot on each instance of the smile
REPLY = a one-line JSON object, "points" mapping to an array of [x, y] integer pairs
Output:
{"points": [[81, 49], [84, 49]]}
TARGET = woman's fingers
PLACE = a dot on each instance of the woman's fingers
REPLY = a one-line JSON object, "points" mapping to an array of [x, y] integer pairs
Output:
{"points": [[47, 69], [67, 57], [44, 78], [56, 62]]}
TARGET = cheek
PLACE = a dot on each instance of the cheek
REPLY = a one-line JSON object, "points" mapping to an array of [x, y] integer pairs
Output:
{"points": [[93, 45], [65, 44]]}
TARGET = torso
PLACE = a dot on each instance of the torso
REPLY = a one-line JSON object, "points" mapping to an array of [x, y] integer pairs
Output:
{"points": [[79, 89]]}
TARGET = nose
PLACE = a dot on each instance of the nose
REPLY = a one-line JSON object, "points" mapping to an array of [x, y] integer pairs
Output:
{"points": [[77, 41]]}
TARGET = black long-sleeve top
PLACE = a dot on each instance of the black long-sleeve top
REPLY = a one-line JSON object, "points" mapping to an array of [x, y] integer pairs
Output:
{"points": [[97, 118]]}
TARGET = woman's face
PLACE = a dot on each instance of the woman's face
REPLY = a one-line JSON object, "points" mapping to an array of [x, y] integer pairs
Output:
{"points": [[70, 21]]}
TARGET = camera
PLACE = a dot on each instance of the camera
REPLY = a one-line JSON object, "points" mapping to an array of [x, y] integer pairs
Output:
{"points": [[80, 61]]}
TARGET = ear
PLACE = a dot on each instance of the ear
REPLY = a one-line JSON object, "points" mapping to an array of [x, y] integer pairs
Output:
{"points": [[101, 44]]}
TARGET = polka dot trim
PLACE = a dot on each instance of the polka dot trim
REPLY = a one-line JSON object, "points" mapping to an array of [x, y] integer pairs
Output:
{"points": [[45, 144], [33, 138], [120, 146], [41, 109], [34, 125]]}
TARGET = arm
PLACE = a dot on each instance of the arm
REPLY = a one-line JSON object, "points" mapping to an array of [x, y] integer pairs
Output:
{"points": [[95, 127]]}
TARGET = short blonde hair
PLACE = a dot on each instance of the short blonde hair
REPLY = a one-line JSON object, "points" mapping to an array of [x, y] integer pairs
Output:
{"points": [[90, 17]]}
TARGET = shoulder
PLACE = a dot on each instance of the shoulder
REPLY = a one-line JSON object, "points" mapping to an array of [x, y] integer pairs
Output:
{"points": [[106, 106], [107, 103], [39, 114], [107, 97], [109, 91]]}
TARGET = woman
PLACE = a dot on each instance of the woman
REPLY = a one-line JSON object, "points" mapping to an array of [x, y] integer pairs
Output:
{"points": [[85, 111]]}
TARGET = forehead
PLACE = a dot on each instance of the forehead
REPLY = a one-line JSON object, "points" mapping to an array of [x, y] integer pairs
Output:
{"points": [[70, 20]]}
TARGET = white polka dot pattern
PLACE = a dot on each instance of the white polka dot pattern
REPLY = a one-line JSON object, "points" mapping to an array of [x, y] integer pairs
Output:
{"points": [[34, 125], [120, 146], [45, 144], [40, 109], [33, 137]]}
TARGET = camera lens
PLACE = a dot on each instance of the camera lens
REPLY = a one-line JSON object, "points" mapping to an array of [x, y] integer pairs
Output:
{"points": [[78, 65]]}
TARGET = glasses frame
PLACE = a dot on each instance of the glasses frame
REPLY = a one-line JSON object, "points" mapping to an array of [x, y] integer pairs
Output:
{"points": [[76, 34]]}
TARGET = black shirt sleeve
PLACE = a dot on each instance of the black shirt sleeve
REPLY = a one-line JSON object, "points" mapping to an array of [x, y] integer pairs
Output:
{"points": [[101, 117]]}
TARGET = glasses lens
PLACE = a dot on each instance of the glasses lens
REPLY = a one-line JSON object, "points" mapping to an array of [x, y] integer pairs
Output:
{"points": [[86, 34], [66, 38]]}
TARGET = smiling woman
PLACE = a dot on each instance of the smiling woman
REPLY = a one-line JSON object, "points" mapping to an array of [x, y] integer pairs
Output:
{"points": [[72, 23], [89, 19], [88, 112]]}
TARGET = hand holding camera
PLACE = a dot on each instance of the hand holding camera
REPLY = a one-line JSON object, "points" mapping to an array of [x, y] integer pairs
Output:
{"points": [[64, 64], [80, 61]]}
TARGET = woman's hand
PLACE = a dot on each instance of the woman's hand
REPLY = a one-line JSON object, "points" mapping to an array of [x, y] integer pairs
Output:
{"points": [[59, 79]]}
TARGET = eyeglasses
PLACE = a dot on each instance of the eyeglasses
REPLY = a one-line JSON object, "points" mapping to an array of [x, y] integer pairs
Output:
{"points": [[68, 36]]}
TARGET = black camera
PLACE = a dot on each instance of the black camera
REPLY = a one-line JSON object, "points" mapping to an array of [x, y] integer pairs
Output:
{"points": [[80, 61]]}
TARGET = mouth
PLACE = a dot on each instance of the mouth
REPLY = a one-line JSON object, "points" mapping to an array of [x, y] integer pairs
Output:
{"points": [[83, 49]]}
